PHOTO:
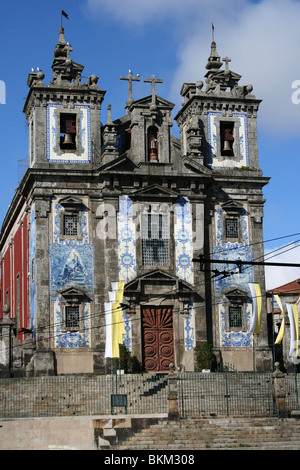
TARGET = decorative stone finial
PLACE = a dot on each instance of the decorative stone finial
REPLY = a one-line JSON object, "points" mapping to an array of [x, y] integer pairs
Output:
{"points": [[214, 61], [64, 69]]}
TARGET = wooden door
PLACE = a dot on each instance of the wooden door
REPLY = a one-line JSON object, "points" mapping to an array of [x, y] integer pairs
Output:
{"points": [[158, 342]]}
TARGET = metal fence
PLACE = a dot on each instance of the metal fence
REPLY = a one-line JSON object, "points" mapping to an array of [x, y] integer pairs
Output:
{"points": [[226, 394], [78, 396], [198, 394], [292, 389]]}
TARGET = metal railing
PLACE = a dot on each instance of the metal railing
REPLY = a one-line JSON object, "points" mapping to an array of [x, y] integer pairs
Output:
{"points": [[292, 389], [78, 396], [226, 393]]}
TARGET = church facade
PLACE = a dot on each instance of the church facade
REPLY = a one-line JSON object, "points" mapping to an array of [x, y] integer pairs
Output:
{"points": [[127, 203]]}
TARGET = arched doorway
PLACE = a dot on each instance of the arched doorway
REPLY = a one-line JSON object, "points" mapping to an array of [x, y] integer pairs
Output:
{"points": [[158, 338]]}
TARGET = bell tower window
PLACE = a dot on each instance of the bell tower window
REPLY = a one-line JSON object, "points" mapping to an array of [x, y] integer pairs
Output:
{"points": [[68, 131], [227, 139]]}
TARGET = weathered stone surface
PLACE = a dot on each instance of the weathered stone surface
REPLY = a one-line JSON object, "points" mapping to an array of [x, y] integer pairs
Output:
{"points": [[119, 184]]}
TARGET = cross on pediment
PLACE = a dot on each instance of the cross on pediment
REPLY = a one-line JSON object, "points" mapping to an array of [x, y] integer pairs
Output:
{"points": [[226, 60], [130, 79], [153, 80]]}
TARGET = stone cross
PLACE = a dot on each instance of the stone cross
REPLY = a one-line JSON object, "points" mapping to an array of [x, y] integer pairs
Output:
{"points": [[68, 49], [226, 60], [153, 80], [130, 79]]}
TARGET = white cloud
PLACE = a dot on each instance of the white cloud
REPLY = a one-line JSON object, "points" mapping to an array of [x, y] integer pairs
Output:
{"points": [[139, 12], [262, 39], [278, 276]]}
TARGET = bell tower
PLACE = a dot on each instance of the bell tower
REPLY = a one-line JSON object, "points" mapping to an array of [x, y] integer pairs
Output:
{"points": [[218, 127], [63, 117], [148, 125], [218, 123]]}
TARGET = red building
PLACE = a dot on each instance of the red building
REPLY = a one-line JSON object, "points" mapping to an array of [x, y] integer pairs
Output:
{"points": [[15, 274]]}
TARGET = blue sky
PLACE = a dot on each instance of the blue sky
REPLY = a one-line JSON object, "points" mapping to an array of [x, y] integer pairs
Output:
{"points": [[171, 39]]}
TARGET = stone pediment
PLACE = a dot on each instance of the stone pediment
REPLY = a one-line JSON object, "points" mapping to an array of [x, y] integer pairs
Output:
{"points": [[147, 101], [162, 283], [73, 293], [222, 76], [196, 166], [154, 191], [121, 163], [70, 201], [232, 206], [236, 295]]}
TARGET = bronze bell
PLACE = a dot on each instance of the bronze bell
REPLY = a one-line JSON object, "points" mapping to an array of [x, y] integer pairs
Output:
{"points": [[68, 142], [227, 147]]}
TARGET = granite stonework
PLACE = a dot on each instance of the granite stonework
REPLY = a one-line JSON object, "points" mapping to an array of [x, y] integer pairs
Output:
{"points": [[146, 206]]}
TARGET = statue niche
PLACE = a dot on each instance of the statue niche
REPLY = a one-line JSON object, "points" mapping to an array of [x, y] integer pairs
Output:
{"points": [[152, 143]]}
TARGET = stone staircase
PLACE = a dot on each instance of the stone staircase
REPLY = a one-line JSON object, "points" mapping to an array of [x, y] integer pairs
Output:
{"points": [[235, 433]]}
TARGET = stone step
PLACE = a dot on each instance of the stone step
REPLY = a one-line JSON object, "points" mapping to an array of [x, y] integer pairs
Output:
{"points": [[264, 434]]}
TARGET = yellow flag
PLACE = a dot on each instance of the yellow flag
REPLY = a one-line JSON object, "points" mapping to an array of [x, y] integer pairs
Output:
{"points": [[257, 308], [296, 321], [117, 322], [281, 331]]}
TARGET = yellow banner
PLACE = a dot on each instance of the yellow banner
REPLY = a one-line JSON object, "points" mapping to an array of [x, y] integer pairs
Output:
{"points": [[281, 331], [256, 308], [259, 308], [117, 321]]}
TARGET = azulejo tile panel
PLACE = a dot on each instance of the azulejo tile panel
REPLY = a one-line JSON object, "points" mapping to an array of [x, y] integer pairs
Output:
{"points": [[189, 328], [232, 251], [243, 138], [126, 253], [183, 259], [53, 132], [126, 240], [214, 152], [66, 340], [212, 134], [71, 265], [183, 241], [234, 339]]}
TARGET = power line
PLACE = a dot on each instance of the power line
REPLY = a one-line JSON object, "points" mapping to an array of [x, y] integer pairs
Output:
{"points": [[53, 326], [56, 334], [93, 316]]}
